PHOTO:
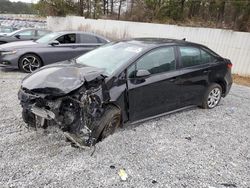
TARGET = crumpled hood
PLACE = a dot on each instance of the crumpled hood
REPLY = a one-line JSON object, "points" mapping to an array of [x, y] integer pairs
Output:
{"points": [[60, 79], [17, 45]]}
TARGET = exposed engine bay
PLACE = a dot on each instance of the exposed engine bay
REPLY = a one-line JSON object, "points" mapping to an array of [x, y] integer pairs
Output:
{"points": [[76, 111]]}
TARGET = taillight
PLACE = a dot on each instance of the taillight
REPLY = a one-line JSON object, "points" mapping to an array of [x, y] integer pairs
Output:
{"points": [[228, 62], [229, 65]]}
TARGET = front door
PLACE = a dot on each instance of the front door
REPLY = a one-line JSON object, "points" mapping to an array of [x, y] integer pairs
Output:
{"points": [[65, 50], [157, 92]]}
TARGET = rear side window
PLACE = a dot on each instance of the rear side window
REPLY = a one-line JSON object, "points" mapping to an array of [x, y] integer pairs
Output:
{"points": [[206, 57], [190, 56], [102, 40], [158, 61], [41, 33], [84, 38]]}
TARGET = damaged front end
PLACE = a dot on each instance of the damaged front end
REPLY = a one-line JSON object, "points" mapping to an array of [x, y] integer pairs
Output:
{"points": [[73, 102]]}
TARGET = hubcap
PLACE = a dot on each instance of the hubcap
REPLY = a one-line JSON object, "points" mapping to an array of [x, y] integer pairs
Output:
{"points": [[30, 63], [214, 97]]}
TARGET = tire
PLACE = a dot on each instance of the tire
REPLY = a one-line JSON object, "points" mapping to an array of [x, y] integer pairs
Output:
{"points": [[212, 96], [29, 118], [29, 63], [111, 119]]}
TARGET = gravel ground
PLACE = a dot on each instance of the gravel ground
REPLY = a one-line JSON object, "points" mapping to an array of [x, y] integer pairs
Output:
{"points": [[193, 148]]}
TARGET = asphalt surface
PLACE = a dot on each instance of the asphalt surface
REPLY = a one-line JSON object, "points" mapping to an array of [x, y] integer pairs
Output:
{"points": [[193, 148]]}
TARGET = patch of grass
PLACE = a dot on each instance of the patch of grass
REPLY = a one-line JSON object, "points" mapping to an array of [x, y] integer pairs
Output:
{"points": [[241, 80]]}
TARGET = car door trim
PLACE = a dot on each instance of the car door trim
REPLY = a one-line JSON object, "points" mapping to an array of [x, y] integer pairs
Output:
{"points": [[160, 115]]}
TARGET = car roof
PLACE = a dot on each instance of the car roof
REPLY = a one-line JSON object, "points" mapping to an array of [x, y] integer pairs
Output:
{"points": [[154, 42], [82, 32]]}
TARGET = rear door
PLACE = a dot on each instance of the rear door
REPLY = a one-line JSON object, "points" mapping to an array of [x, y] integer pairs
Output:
{"points": [[196, 66], [157, 93]]}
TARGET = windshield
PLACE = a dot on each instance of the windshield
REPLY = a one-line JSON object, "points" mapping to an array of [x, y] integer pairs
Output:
{"points": [[47, 38], [111, 56]]}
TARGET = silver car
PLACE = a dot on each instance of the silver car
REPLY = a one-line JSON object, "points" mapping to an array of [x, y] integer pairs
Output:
{"points": [[51, 48]]}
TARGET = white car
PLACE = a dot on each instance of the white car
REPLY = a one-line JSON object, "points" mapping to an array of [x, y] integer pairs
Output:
{"points": [[4, 30]]}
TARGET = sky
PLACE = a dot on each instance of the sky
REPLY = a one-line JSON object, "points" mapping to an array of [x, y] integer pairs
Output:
{"points": [[26, 1]]}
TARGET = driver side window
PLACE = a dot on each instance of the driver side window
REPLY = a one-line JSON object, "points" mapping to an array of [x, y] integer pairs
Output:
{"points": [[67, 39], [157, 61]]}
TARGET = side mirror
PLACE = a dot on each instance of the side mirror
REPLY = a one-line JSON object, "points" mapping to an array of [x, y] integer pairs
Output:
{"points": [[121, 79], [54, 43], [17, 36], [142, 73]]}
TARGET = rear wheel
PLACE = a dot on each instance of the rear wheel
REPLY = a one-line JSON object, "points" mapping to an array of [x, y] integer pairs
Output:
{"points": [[212, 96], [29, 63]]}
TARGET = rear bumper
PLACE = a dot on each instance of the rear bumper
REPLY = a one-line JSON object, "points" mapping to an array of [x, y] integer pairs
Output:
{"points": [[228, 83]]}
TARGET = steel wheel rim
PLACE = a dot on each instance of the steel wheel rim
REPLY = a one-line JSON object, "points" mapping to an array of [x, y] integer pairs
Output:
{"points": [[30, 63], [214, 97]]}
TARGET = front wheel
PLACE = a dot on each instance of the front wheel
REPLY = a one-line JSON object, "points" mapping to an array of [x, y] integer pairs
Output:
{"points": [[29, 63], [212, 96], [111, 119]]}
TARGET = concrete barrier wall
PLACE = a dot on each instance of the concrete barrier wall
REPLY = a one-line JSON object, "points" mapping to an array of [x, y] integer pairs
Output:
{"points": [[227, 43]]}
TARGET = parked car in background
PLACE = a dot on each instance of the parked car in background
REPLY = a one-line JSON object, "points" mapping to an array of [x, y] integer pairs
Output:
{"points": [[53, 47], [126, 81], [23, 35], [21, 23], [4, 30]]}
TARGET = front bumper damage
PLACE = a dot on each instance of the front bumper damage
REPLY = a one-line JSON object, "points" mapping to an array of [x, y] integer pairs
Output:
{"points": [[75, 113]]}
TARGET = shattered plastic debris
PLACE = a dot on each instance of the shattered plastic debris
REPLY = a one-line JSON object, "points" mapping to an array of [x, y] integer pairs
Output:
{"points": [[123, 175]]}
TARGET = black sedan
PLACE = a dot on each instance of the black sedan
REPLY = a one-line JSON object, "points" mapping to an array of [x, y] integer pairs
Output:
{"points": [[126, 81], [23, 35], [53, 47]]}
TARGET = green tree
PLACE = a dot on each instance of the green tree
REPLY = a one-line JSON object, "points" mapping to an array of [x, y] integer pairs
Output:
{"points": [[16, 7]]}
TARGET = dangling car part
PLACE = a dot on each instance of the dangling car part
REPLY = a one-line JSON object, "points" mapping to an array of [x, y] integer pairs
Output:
{"points": [[126, 81], [46, 103]]}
